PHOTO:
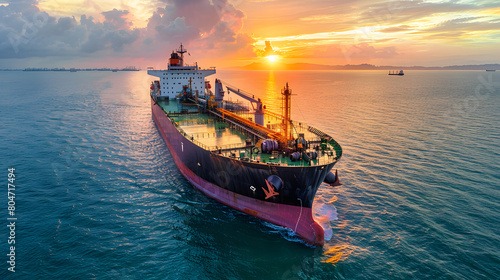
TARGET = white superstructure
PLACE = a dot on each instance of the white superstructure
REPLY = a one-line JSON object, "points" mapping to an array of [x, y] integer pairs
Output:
{"points": [[179, 74]]}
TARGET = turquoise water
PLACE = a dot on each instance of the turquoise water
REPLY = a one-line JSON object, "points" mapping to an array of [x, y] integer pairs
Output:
{"points": [[99, 197]]}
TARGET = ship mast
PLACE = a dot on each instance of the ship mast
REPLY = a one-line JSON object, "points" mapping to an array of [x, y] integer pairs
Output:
{"points": [[182, 51], [286, 104]]}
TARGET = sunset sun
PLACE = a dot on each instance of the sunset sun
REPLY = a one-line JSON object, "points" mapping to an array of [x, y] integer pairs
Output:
{"points": [[272, 58]]}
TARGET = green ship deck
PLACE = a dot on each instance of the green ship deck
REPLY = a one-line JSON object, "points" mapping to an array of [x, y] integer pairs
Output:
{"points": [[211, 131]]}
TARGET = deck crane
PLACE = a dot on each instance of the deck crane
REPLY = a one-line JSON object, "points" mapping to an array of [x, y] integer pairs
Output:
{"points": [[256, 103]]}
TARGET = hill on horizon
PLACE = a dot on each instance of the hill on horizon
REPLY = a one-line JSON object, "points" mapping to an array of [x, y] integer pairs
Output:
{"points": [[364, 66]]}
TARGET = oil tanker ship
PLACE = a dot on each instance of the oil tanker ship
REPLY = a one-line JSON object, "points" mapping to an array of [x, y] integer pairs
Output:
{"points": [[239, 153]]}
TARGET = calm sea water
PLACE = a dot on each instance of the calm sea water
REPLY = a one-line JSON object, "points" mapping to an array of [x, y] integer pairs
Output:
{"points": [[98, 195]]}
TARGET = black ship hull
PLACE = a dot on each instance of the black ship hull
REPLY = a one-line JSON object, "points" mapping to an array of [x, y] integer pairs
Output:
{"points": [[244, 185]]}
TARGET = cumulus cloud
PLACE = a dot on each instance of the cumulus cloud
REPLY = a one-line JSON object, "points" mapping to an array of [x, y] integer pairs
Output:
{"points": [[208, 28], [211, 25], [268, 50], [102, 37], [25, 31], [117, 18]]}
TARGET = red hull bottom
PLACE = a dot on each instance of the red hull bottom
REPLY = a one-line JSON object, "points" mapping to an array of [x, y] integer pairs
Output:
{"points": [[297, 218]]}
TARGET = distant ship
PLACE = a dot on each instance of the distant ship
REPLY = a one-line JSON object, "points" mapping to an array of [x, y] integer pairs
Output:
{"points": [[491, 70], [398, 73], [251, 159]]}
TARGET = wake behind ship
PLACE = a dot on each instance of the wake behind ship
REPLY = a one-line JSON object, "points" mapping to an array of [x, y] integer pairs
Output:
{"points": [[251, 159]]}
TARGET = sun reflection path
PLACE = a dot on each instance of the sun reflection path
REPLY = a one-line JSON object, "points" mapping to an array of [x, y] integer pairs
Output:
{"points": [[272, 99], [337, 253], [325, 214]]}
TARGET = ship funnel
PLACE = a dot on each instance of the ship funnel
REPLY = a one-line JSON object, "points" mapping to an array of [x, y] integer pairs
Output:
{"points": [[177, 57], [219, 92]]}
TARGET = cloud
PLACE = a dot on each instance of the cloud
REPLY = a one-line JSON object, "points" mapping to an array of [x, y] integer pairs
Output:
{"points": [[268, 50], [213, 25], [469, 24], [25, 31], [400, 28], [117, 18], [349, 15], [175, 30], [203, 18], [103, 37], [394, 12]]}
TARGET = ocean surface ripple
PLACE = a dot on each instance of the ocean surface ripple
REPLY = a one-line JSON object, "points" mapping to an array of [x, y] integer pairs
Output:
{"points": [[98, 195]]}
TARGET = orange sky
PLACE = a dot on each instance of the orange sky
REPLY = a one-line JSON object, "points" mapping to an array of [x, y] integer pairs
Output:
{"points": [[233, 32]]}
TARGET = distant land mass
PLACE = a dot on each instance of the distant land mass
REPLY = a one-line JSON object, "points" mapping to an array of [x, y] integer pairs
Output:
{"points": [[128, 68], [309, 66], [63, 69]]}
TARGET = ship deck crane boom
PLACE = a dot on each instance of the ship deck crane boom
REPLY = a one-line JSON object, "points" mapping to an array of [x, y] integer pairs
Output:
{"points": [[258, 108]]}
